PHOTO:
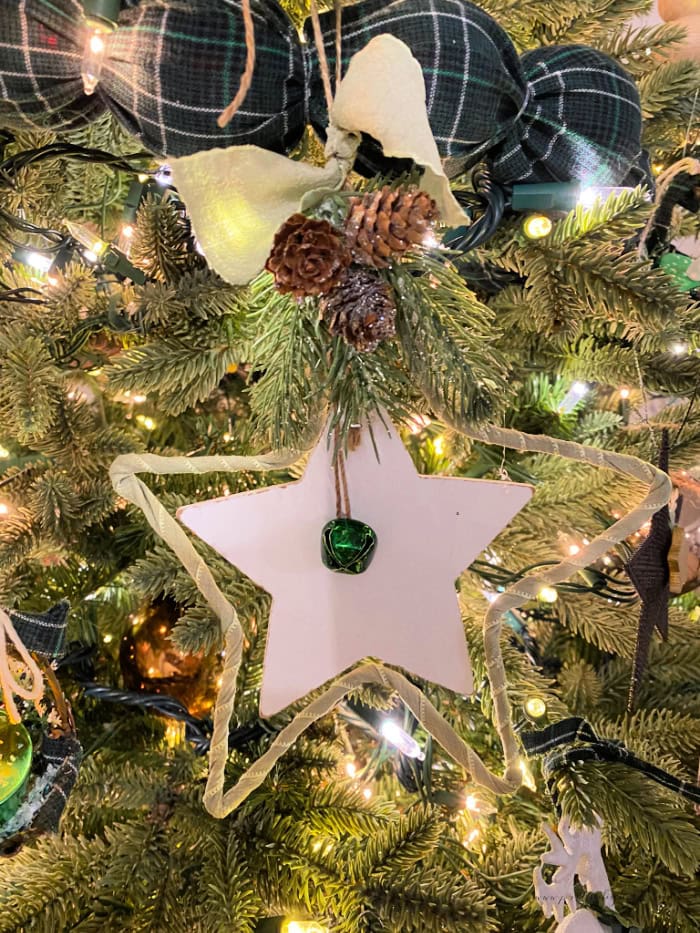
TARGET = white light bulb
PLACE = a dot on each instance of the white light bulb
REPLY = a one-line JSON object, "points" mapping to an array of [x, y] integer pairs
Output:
{"points": [[678, 349], [93, 60], [573, 396], [396, 736], [39, 261]]}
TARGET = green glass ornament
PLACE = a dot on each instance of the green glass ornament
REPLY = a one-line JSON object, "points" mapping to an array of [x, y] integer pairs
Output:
{"points": [[15, 764], [347, 546]]}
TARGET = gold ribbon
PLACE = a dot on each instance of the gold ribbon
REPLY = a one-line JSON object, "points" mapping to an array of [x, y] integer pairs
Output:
{"points": [[9, 684], [237, 198]]}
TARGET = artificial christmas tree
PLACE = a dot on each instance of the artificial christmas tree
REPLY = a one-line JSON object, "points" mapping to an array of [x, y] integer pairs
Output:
{"points": [[129, 330]]}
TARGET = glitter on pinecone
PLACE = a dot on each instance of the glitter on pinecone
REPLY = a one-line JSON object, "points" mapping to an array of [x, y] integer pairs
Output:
{"points": [[386, 223], [308, 257], [361, 310]]}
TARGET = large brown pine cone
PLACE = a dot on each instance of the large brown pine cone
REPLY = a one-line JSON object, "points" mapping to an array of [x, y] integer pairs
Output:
{"points": [[385, 223], [361, 310], [308, 257]]}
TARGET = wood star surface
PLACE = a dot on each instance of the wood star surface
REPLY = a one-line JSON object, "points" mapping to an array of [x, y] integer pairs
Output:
{"points": [[403, 609]]}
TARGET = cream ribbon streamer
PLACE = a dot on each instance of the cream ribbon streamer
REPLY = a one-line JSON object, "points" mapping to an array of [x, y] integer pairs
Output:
{"points": [[219, 801], [237, 198], [9, 684]]}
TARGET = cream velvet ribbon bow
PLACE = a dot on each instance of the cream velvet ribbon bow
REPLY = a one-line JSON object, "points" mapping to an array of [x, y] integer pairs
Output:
{"points": [[237, 198]]}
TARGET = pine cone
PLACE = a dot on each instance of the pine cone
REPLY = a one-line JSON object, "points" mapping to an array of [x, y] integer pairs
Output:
{"points": [[385, 223], [361, 310], [308, 257]]}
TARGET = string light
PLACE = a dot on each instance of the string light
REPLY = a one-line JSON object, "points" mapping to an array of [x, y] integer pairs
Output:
{"points": [[4, 452], [472, 836], [303, 926], [147, 422], [439, 446], [577, 391], [678, 348], [101, 17], [573, 550], [548, 594], [398, 737], [537, 226], [108, 638], [350, 769], [624, 393], [367, 793], [535, 707], [4, 509], [472, 803]]}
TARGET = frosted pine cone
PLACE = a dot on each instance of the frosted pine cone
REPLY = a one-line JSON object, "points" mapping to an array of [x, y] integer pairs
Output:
{"points": [[361, 310]]}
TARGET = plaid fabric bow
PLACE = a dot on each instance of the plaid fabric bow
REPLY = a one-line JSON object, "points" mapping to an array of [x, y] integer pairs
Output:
{"points": [[560, 113]]}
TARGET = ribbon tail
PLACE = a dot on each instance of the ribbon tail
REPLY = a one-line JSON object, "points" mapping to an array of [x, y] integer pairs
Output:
{"points": [[383, 94], [238, 198]]}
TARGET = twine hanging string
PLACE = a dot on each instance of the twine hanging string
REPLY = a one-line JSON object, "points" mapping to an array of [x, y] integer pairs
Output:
{"points": [[342, 497], [9, 684], [229, 113], [220, 802]]}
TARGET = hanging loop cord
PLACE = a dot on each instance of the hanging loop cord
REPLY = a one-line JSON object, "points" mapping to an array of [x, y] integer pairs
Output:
{"points": [[9, 683], [229, 113], [342, 497]]}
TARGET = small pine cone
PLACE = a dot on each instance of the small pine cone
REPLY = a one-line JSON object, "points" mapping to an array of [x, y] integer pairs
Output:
{"points": [[361, 310], [385, 223], [308, 257]]}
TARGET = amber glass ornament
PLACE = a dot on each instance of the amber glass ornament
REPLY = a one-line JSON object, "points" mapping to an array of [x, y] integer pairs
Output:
{"points": [[151, 663]]}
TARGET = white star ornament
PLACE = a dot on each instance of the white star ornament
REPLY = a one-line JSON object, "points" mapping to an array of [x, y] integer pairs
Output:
{"points": [[403, 609]]}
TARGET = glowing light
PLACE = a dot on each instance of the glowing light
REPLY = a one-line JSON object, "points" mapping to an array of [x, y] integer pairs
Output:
{"points": [[127, 231], [417, 423], [574, 550], [624, 393], [227, 438], [93, 60], [535, 707], [472, 836], [4, 508], [174, 734], [439, 446], [367, 793], [537, 226], [4, 452], [577, 391], [143, 177], [91, 256], [350, 769], [548, 594], [396, 736], [139, 399], [108, 638], [147, 422], [657, 168], [472, 803], [303, 926], [38, 261], [607, 560], [678, 348]]}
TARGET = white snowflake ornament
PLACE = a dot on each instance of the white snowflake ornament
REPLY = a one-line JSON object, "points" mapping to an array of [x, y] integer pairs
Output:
{"points": [[576, 852]]}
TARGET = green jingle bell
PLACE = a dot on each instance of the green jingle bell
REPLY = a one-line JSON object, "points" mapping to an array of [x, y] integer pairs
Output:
{"points": [[347, 545], [15, 765]]}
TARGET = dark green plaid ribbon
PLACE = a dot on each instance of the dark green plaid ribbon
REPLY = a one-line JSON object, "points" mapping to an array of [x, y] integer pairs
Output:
{"points": [[587, 746], [561, 113], [42, 633]]}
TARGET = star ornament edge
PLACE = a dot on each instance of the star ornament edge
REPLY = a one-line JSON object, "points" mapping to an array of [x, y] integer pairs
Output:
{"points": [[323, 623]]}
